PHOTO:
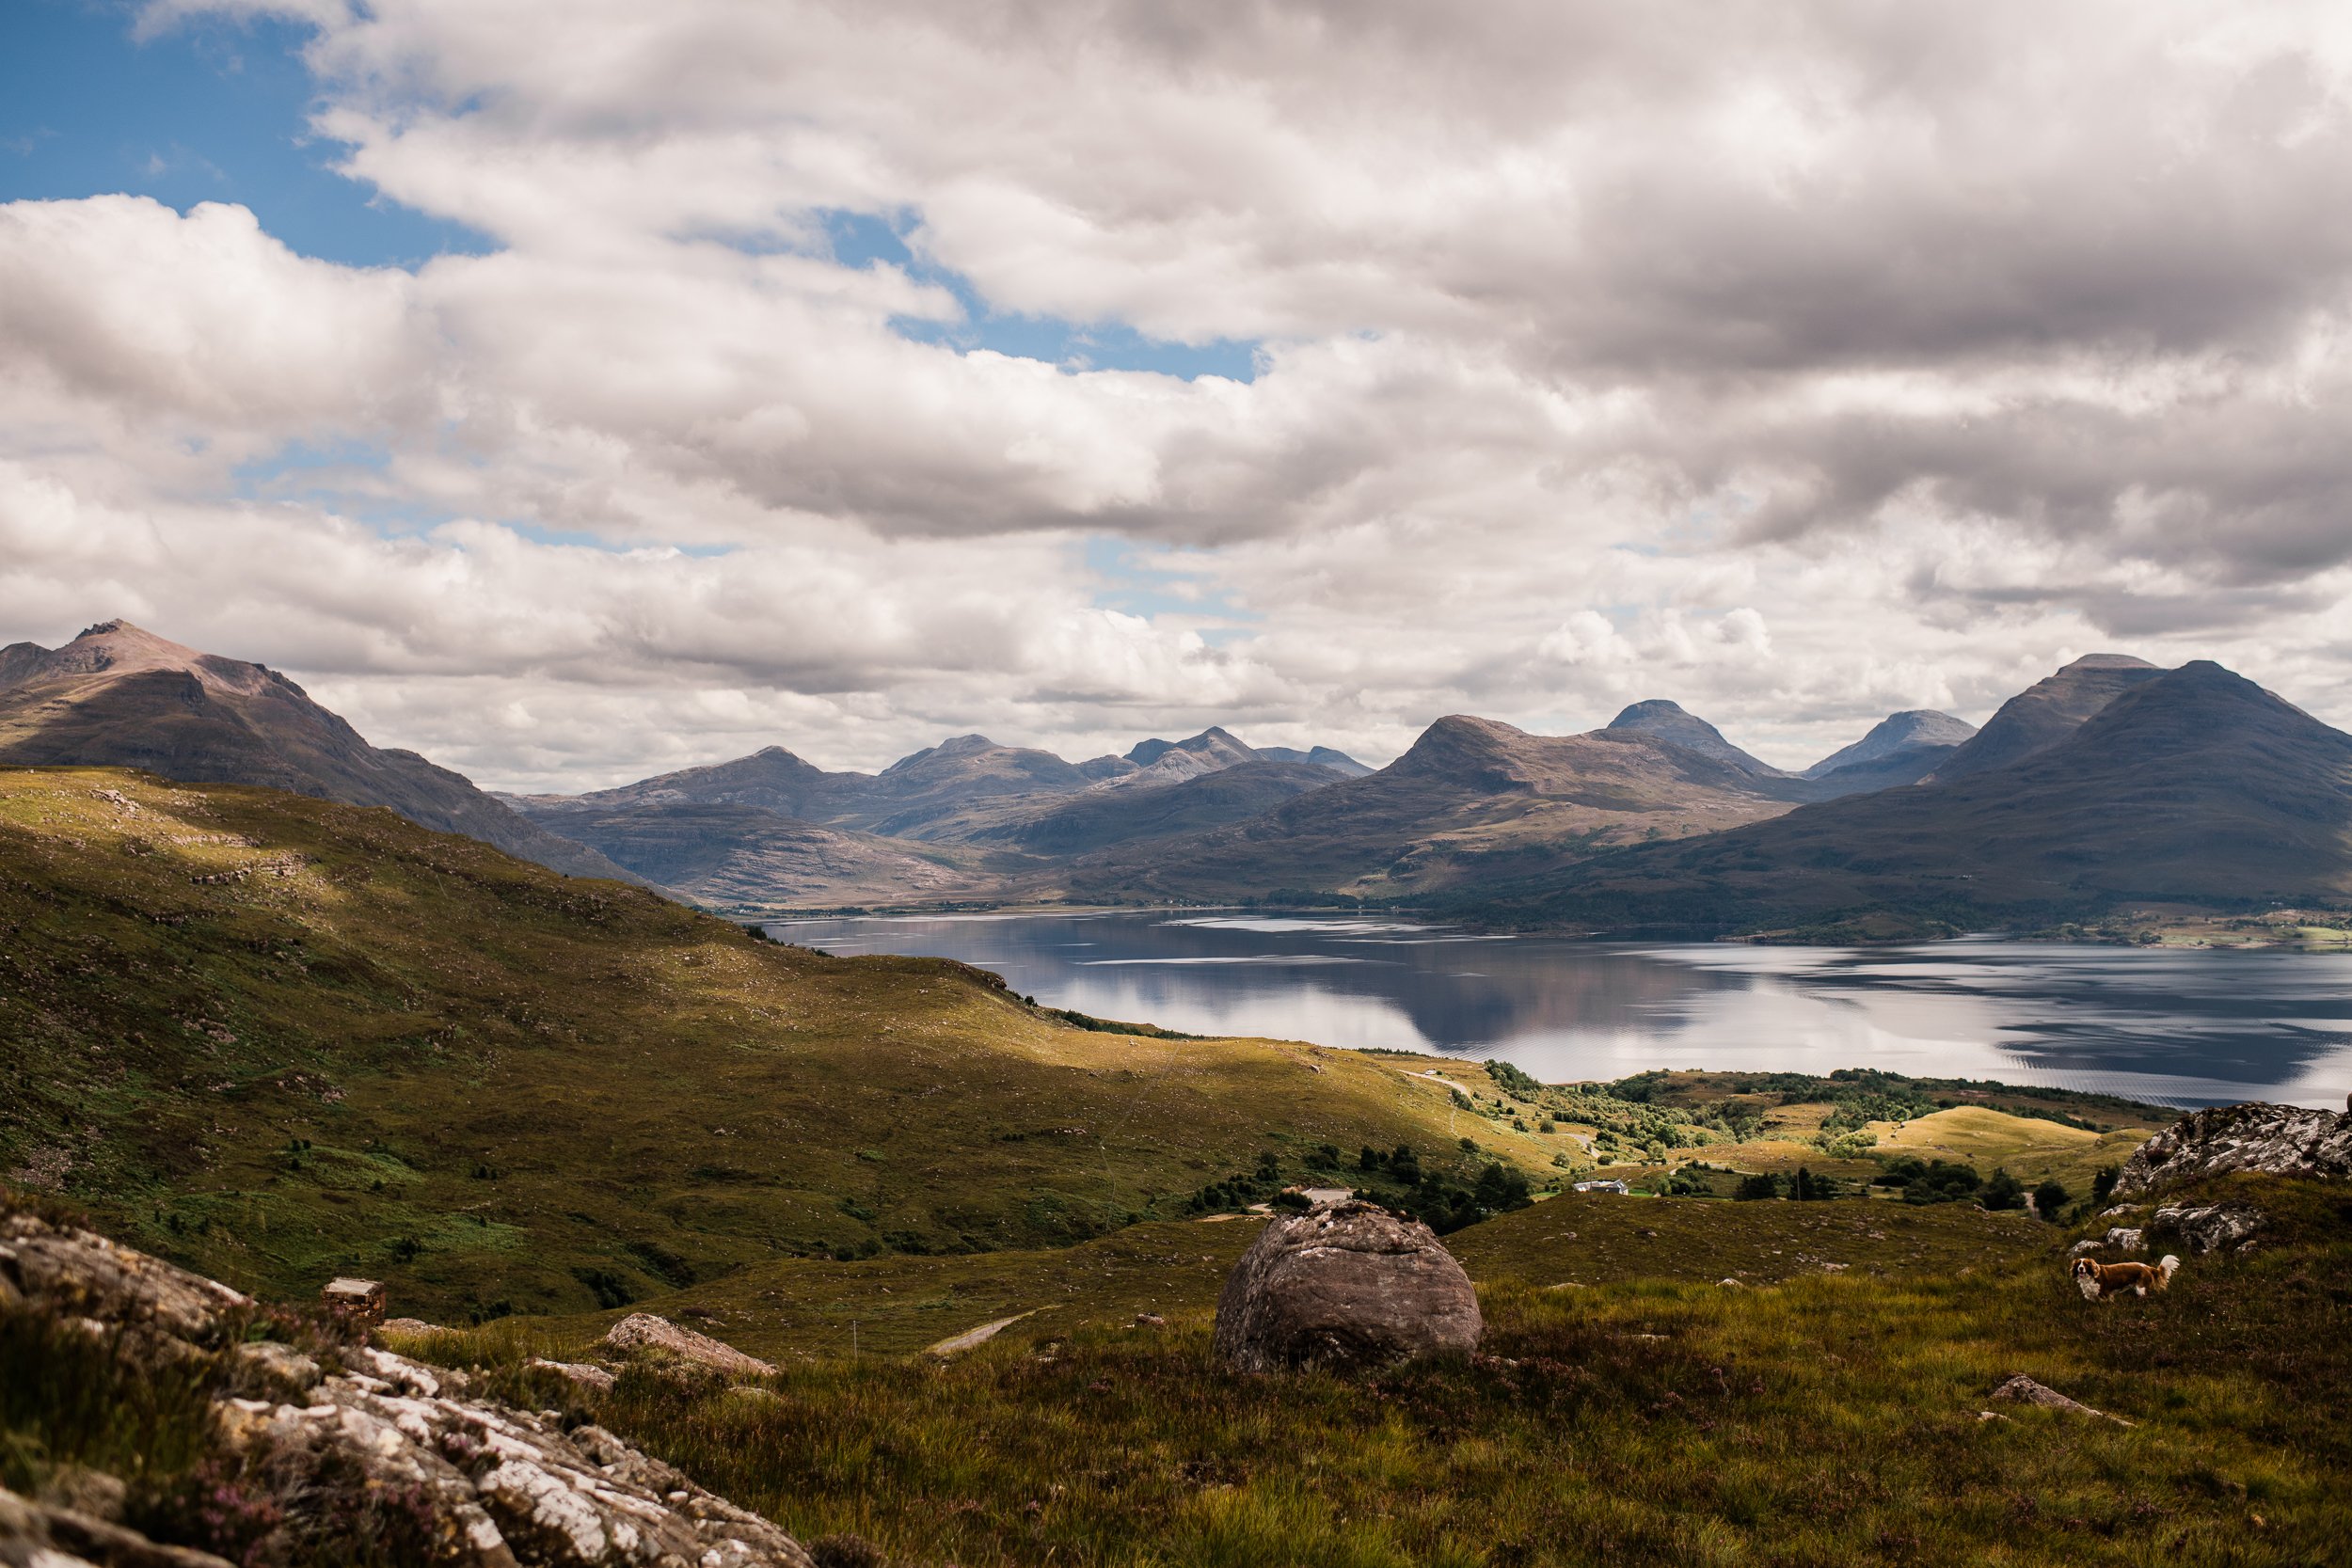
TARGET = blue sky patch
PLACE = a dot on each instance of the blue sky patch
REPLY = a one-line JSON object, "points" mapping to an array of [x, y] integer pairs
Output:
{"points": [[210, 110], [861, 239]]}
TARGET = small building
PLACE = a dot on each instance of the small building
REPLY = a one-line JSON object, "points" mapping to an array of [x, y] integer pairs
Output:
{"points": [[1610, 1185]]}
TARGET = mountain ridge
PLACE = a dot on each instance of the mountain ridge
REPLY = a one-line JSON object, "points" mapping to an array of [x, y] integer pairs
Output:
{"points": [[119, 695], [2192, 785]]}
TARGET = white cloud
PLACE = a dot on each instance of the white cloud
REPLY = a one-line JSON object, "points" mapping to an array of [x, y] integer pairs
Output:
{"points": [[1798, 363]]}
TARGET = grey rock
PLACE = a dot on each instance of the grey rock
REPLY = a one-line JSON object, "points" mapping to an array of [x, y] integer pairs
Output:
{"points": [[576, 1372], [267, 1369], [508, 1486], [2125, 1239], [643, 1331], [2026, 1391], [1347, 1286], [2085, 1248], [2280, 1140], [79, 1273], [2210, 1227], [503, 1488]]}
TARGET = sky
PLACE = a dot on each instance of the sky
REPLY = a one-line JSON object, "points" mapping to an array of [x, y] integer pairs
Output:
{"points": [[577, 389]]}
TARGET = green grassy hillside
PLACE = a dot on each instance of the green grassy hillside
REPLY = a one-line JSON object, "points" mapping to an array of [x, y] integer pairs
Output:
{"points": [[279, 1039], [1816, 1416]]}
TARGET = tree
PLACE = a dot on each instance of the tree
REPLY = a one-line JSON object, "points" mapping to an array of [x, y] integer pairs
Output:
{"points": [[2102, 1185], [2003, 1191], [2050, 1198], [1761, 1185]]}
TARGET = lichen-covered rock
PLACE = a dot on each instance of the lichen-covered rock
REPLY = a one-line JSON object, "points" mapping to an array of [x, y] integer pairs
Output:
{"points": [[2124, 1238], [82, 1275], [490, 1486], [2209, 1227], [2281, 1140], [643, 1331], [504, 1486], [1344, 1286]]}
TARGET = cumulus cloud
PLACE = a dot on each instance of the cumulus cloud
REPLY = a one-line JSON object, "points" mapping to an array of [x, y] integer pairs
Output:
{"points": [[1797, 362]]}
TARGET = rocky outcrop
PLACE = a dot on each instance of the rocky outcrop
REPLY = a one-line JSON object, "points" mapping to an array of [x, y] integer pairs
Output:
{"points": [[2279, 1140], [643, 1331], [1351, 1285], [339, 1428], [2209, 1227], [501, 1486]]}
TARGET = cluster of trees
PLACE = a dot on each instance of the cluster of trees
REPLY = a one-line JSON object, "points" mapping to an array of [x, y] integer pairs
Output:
{"points": [[1443, 1199], [1804, 1187]]}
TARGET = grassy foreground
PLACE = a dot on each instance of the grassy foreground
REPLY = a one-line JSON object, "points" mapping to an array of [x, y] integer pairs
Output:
{"points": [[1821, 1419]]}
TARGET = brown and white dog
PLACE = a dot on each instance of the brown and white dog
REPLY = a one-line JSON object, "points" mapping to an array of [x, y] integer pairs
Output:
{"points": [[2095, 1279]]}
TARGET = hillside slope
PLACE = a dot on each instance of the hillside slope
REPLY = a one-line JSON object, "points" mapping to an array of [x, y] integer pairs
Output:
{"points": [[735, 855], [118, 696], [281, 1038], [2194, 785]]}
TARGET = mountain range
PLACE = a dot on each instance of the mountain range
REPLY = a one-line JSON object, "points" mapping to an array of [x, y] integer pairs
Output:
{"points": [[2111, 780]]}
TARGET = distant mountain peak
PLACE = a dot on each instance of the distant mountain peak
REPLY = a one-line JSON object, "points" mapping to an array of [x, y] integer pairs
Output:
{"points": [[118, 648], [2046, 713], [1921, 731], [1669, 722]]}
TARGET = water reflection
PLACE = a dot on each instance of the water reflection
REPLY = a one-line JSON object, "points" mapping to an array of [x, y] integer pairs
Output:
{"points": [[2183, 1027]]}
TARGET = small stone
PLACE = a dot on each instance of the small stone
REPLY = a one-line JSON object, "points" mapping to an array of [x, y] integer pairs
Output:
{"points": [[644, 1331], [575, 1371], [2210, 1227], [2026, 1391]]}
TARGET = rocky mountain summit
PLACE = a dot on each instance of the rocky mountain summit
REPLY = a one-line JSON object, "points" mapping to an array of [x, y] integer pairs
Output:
{"points": [[311, 1438], [1668, 722], [1900, 748]]}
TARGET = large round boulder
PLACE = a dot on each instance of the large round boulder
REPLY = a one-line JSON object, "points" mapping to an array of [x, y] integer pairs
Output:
{"points": [[1351, 1285]]}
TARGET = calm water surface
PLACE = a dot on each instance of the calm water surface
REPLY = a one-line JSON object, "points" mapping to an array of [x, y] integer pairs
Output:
{"points": [[2181, 1027]]}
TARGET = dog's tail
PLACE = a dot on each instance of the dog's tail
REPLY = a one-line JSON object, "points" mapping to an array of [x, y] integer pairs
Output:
{"points": [[2166, 1267]]}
